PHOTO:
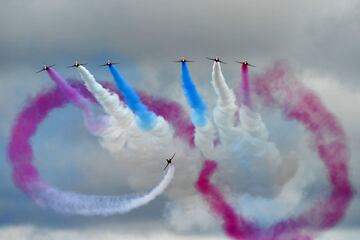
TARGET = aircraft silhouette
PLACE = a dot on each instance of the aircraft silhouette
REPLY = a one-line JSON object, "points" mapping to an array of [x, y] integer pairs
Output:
{"points": [[245, 63], [45, 68], [216, 59], [108, 63], [183, 60], [76, 65], [168, 161]]}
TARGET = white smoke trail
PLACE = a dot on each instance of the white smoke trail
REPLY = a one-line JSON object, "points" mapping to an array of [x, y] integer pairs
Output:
{"points": [[226, 97], [76, 203], [224, 114], [250, 132], [122, 131], [109, 101], [120, 118], [225, 110]]}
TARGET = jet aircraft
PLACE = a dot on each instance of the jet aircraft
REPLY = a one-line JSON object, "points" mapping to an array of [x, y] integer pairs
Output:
{"points": [[108, 63], [45, 68], [245, 63], [76, 65], [183, 60], [216, 59], [168, 161]]}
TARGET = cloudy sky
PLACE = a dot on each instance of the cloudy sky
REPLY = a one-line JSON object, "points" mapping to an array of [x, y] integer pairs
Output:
{"points": [[319, 40]]}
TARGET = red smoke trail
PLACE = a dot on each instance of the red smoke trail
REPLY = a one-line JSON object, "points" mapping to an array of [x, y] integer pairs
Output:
{"points": [[300, 104], [245, 86], [235, 226]]}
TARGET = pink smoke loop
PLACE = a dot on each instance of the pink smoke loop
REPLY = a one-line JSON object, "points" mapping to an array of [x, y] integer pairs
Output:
{"points": [[20, 153], [300, 104]]}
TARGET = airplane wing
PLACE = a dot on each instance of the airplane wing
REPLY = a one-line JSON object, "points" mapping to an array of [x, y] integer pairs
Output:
{"points": [[212, 59], [251, 65], [222, 62], [173, 156], [40, 71], [239, 62]]}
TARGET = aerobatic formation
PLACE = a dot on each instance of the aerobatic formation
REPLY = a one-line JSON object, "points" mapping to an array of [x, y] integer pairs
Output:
{"points": [[231, 141]]}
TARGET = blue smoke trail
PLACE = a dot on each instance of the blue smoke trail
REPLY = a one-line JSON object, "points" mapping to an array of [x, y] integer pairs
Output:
{"points": [[146, 118], [198, 114]]}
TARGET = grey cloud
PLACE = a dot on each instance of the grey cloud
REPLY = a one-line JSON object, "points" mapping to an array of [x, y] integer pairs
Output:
{"points": [[320, 35]]}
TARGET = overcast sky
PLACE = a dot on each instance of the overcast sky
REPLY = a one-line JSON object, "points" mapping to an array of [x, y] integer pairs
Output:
{"points": [[319, 39]]}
